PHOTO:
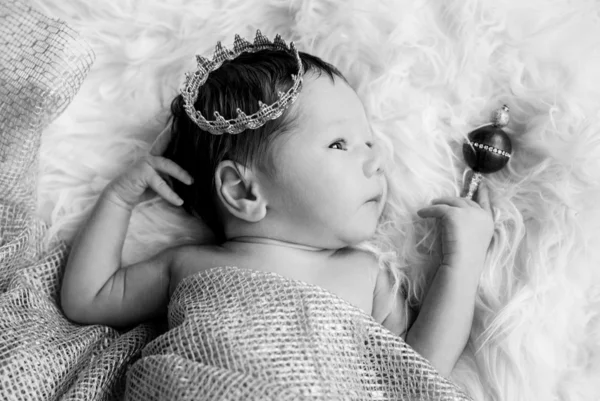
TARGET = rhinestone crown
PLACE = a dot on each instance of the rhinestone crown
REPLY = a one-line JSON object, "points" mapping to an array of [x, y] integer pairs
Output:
{"points": [[220, 125]]}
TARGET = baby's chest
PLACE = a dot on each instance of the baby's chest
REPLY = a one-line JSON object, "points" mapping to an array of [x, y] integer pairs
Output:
{"points": [[350, 279], [353, 282]]}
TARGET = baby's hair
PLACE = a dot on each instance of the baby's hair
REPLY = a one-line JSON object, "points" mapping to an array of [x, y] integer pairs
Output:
{"points": [[238, 83]]}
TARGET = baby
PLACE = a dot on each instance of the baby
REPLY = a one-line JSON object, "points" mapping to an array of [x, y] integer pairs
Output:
{"points": [[305, 187]]}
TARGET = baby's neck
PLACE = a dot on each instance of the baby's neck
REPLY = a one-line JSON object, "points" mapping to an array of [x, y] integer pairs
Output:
{"points": [[293, 260], [244, 241]]}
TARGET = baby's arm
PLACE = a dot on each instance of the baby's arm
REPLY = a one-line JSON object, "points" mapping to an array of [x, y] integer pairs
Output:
{"points": [[442, 326], [441, 329], [95, 289]]}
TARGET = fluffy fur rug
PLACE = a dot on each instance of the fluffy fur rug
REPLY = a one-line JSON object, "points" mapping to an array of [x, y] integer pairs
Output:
{"points": [[428, 72]]}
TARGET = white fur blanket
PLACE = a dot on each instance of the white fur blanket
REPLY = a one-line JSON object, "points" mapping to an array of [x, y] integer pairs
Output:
{"points": [[428, 72]]}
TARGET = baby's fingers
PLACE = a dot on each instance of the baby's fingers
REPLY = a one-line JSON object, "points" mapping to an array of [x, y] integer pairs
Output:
{"points": [[171, 168], [453, 201], [162, 188], [436, 211]]}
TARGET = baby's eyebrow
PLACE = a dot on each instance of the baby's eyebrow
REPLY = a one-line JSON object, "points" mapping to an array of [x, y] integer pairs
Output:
{"points": [[344, 123], [337, 123]]}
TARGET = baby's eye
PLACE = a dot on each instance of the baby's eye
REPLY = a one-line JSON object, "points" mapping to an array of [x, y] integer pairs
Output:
{"points": [[339, 144]]}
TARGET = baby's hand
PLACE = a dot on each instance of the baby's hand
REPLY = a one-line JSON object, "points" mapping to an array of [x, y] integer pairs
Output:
{"points": [[467, 228], [126, 190]]}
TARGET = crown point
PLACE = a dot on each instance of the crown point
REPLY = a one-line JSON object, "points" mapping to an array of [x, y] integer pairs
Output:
{"points": [[260, 39], [241, 116], [240, 44], [279, 42], [220, 121], [221, 53], [203, 62]]}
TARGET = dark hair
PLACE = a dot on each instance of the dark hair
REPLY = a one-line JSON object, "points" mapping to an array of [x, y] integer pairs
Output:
{"points": [[240, 82]]}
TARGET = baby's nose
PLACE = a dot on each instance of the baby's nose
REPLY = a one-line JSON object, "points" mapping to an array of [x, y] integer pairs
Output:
{"points": [[375, 162]]}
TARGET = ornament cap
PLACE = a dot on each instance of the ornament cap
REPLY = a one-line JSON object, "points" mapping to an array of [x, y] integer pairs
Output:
{"points": [[501, 116]]}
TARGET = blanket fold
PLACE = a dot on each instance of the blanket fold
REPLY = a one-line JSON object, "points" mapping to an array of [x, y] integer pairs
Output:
{"points": [[244, 334], [43, 356]]}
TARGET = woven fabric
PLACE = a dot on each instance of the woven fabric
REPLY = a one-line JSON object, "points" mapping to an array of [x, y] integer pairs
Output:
{"points": [[43, 356], [244, 334]]}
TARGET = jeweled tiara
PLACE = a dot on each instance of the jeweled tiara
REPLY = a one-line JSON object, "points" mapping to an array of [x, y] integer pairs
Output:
{"points": [[243, 121]]}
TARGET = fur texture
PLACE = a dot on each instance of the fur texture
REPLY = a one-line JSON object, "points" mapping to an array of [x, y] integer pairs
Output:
{"points": [[428, 73]]}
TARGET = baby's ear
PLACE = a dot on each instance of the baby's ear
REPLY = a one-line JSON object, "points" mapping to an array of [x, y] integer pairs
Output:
{"points": [[239, 192]]}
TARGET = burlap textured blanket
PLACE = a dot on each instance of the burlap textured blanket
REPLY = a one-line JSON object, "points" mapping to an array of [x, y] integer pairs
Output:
{"points": [[243, 334], [43, 356]]}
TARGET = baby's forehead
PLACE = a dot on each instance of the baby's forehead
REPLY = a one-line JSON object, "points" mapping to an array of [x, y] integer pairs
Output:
{"points": [[328, 105]]}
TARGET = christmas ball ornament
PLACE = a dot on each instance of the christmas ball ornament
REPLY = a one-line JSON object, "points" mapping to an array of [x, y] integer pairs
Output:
{"points": [[487, 150]]}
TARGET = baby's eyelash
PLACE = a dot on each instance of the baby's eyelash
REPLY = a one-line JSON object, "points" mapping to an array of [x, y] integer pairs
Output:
{"points": [[340, 141]]}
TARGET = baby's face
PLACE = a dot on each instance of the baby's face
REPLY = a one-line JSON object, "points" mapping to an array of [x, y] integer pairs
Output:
{"points": [[329, 184]]}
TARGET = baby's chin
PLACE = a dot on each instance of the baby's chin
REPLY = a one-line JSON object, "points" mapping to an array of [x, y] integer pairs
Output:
{"points": [[341, 240], [359, 236]]}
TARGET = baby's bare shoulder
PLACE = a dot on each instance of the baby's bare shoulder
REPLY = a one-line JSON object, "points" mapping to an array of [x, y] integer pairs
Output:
{"points": [[192, 255], [362, 263], [193, 258]]}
